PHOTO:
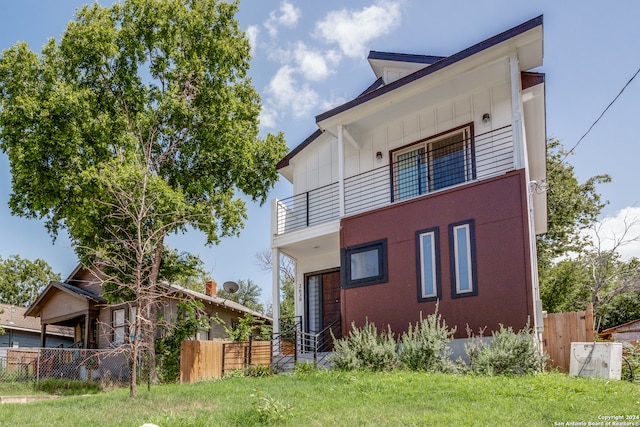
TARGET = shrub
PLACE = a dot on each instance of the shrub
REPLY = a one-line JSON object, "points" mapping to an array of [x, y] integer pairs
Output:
{"points": [[365, 349], [425, 347], [508, 353], [305, 368], [631, 363], [67, 387], [258, 371], [270, 410]]}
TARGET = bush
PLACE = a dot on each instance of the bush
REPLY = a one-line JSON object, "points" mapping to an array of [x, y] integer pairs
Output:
{"points": [[508, 353], [305, 368], [67, 387], [270, 410], [631, 363], [425, 347], [365, 349]]}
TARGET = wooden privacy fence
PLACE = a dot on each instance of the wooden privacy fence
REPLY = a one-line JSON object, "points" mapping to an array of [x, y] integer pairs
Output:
{"points": [[202, 360], [560, 330]]}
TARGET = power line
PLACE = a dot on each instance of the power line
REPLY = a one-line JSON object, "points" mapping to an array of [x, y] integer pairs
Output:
{"points": [[602, 114], [598, 119]]}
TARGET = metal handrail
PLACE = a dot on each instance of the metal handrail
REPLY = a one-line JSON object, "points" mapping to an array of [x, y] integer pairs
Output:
{"points": [[485, 155]]}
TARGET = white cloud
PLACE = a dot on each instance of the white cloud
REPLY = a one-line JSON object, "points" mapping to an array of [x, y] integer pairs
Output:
{"points": [[353, 30], [313, 64], [252, 35], [268, 117], [612, 229], [285, 93], [288, 17]]}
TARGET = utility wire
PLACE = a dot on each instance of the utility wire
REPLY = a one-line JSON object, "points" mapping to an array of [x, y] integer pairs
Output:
{"points": [[597, 120]]}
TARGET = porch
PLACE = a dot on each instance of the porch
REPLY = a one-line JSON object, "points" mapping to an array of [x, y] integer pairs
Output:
{"points": [[412, 173]]}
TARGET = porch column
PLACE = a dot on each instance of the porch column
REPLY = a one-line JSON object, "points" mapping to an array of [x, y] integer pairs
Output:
{"points": [[43, 335], [87, 326], [275, 280], [341, 170], [517, 123]]}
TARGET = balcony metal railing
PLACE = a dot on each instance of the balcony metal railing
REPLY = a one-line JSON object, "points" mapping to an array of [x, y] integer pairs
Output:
{"points": [[425, 169]]}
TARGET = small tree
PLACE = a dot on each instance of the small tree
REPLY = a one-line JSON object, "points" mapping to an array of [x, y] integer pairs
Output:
{"points": [[188, 321], [247, 326]]}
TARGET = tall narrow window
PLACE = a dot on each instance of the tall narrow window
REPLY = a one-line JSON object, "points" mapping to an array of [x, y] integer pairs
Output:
{"points": [[313, 308], [428, 264], [434, 163], [463, 263], [119, 326], [132, 323]]}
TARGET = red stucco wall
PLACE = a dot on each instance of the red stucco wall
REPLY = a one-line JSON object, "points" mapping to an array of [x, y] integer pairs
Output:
{"points": [[498, 207]]}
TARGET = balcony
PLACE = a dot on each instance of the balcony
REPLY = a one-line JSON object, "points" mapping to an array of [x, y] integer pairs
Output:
{"points": [[424, 169]]}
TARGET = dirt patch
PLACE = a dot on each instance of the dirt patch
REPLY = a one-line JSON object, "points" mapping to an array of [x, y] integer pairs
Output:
{"points": [[26, 399]]}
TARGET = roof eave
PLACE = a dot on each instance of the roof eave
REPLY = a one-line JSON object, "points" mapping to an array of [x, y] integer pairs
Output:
{"points": [[325, 119]]}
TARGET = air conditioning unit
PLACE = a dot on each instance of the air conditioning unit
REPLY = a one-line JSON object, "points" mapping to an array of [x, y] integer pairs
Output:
{"points": [[596, 360]]}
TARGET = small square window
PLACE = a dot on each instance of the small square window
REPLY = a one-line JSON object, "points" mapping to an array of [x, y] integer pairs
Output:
{"points": [[364, 264], [428, 264], [463, 259]]}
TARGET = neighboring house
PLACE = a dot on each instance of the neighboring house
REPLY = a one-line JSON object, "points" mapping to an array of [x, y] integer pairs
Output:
{"points": [[77, 303], [21, 331], [427, 188], [627, 332]]}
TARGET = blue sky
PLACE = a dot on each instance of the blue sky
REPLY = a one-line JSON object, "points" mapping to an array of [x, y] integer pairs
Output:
{"points": [[309, 56]]}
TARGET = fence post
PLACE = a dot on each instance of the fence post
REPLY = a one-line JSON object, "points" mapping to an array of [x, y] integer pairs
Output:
{"points": [[222, 364], [38, 366], [315, 350], [250, 350]]}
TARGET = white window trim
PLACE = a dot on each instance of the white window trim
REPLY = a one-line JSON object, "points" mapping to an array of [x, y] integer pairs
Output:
{"points": [[434, 275], [469, 266]]}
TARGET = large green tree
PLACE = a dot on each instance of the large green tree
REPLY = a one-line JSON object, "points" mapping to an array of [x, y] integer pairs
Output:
{"points": [[576, 267], [248, 294], [21, 280], [140, 122], [572, 206]]}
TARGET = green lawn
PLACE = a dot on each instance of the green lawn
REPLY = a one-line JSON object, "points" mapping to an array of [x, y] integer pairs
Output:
{"points": [[345, 399]]}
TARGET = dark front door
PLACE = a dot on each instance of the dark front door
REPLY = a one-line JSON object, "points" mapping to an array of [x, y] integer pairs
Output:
{"points": [[322, 305]]}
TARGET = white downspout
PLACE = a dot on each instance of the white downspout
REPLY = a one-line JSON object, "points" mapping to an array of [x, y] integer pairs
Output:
{"points": [[341, 170], [521, 161]]}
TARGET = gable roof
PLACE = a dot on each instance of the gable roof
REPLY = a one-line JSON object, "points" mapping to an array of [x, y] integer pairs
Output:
{"points": [[443, 63], [216, 300], [34, 308], [378, 88]]}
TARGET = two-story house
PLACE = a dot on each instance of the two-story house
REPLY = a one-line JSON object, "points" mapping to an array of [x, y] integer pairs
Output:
{"points": [[424, 189]]}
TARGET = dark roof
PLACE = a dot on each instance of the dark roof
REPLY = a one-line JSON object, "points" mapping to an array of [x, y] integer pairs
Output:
{"points": [[450, 60], [404, 57], [375, 85], [82, 292], [65, 287], [285, 161]]}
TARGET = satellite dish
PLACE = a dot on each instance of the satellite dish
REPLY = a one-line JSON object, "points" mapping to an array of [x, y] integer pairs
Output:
{"points": [[231, 287]]}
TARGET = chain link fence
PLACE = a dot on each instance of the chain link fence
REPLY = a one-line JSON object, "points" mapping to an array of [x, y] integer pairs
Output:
{"points": [[35, 364]]}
